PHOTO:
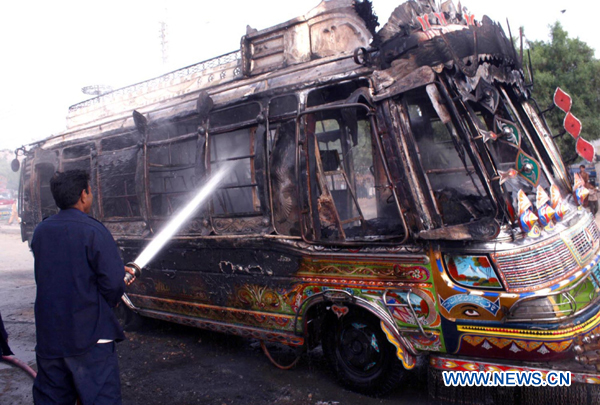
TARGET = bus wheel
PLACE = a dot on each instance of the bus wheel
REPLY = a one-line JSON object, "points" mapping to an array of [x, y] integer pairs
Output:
{"points": [[360, 355], [129, 320]]}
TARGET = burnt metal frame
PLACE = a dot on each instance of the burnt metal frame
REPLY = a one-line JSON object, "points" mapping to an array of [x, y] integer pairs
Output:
{"points": [[460, 150], [498, 189], [472, 150], [539, 156], [92, 157], [254, 124], [279, 119], [392, 137], [539, 123], [253, 184], [374, 134], [483, 150], [150, 168], [38, 187], [126, 197]]}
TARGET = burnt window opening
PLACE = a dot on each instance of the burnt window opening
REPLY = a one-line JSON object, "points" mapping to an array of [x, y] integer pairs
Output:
{"points": [[548, 150], [452, 177], [349, 190], [283, 106], [246, 113], [336, 93], [119, 142], [169, 130], [48, 207], [77, 158], [280, 110], [75, 152], [506, 154], [24, 189], [174, 161], [82, 164], [117, 172], [85, 164], [238, 193], [284, 189]]}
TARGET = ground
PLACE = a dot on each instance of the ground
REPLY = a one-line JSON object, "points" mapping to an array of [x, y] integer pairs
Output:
{"points": [[164, 363]]}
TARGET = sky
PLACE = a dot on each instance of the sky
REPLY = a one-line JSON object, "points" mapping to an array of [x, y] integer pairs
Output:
{"points": [[51, 49]]}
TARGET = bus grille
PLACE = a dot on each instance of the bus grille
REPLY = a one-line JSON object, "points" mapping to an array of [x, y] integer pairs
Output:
{"points": [[584, 242], [540, 265]]}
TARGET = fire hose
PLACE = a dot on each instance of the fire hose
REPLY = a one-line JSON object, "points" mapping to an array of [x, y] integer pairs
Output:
{"points": [[21, 364], [275, 363]]}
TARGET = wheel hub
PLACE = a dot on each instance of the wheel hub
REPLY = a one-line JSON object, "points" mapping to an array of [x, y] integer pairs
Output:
{"points": [[359, 348]]}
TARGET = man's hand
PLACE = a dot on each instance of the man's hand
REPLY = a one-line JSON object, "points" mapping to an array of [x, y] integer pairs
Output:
{"points": [[132, 272]]}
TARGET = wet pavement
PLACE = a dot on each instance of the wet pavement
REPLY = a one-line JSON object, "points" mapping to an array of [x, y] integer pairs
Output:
{"points": [[17, 292], [165, 363]]}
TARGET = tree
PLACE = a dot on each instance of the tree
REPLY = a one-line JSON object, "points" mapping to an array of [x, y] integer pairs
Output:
{"points": [[569, 64]]}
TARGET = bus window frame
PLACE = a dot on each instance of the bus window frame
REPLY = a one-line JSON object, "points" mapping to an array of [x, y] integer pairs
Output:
{"points": [[464, 140], [101, 197], [168, 142], [259, 127], [92, 168], [277, 121], [305, 188], [466, 129]]}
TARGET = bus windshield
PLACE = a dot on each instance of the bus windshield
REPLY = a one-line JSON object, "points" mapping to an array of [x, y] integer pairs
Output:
{"points": [[454, 181], [509, 144]]}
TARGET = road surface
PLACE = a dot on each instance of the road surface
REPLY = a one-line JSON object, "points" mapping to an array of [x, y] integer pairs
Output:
{"points": [[164, 363]]}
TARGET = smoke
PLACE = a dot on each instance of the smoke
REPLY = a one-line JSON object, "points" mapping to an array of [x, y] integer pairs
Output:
{"points": [[175, 224]]}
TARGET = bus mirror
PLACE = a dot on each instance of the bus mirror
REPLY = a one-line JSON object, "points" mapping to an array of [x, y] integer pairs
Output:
{"points": [[15, 165]]}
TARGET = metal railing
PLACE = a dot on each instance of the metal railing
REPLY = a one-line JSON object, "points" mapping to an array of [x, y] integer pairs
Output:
{"points": [[558, 305]]}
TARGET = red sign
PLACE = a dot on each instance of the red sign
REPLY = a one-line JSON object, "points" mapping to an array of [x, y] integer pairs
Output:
{"points": [[562, 100]]}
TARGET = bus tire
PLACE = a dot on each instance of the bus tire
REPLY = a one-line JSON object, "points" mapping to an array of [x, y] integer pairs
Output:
{"points": [[359, 354]]}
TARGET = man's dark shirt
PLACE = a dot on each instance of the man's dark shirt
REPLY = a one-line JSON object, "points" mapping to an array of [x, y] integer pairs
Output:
{"points": [[79, 276]]}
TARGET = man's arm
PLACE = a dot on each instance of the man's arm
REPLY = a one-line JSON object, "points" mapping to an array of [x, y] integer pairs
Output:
{"points": [[108, 266]]}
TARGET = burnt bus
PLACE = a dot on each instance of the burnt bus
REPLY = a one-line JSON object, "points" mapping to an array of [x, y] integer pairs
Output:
{"points": [[381, 204]]}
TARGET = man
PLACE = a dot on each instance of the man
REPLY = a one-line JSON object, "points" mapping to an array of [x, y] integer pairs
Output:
{"points": [[14, 217], [80, 278], [592, 201], [585, 176]]}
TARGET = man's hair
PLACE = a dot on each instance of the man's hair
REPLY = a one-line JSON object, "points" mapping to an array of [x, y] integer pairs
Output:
{"points": [[66, 187], [582, 166]]}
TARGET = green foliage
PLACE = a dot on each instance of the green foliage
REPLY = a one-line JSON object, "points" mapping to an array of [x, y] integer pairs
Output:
{"points": [[568, 63]]}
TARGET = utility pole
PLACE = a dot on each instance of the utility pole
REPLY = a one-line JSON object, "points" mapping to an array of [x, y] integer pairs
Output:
{"points": [[164, 43]]}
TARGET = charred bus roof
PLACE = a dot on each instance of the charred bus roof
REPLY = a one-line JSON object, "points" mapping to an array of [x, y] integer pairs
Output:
{"points": [[435, 60], [334, 41]]}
